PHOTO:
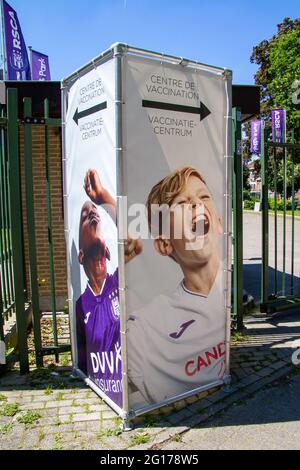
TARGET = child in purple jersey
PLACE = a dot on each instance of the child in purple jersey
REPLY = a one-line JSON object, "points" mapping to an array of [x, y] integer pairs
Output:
{"points": [[97, 309]]}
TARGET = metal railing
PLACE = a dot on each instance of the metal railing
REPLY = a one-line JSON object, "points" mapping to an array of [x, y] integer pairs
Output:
{"points": [[14, 298], [278, 289]]}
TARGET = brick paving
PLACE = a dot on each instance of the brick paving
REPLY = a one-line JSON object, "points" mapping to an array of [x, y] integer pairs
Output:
{"points": [[50, 409]]}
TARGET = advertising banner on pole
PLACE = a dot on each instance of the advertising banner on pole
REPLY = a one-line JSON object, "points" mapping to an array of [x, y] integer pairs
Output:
{"points": [[40, 69], [176, 140], [278, 125], [255, 137], [18, 67], [90, 184]]}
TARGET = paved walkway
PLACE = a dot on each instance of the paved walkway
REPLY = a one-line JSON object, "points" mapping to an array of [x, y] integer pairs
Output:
{"points": [[270, 420], [49, 409]]}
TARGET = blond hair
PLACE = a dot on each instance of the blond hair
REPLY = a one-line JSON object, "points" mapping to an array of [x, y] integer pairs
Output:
{"points": [[168, 188]]}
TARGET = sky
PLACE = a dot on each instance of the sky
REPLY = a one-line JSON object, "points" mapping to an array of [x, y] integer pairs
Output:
{"points": [[220, 33]]}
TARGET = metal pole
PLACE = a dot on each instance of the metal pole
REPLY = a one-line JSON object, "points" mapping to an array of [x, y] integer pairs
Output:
{"points": [[29, 187], [16, 225], [275, 222], [293, 216], [238, 219], [50, 238], [30, 60], [118, 53], [228, 161], [265, 220]]}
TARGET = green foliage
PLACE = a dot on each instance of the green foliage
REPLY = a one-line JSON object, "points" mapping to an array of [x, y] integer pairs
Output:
{"points": [[140, 438], [57, 442], [284, 69], [280, 204], [280, 176], [5, 429], [29, 417], [10, 409], [278, 59], [266, 53], [110, 432], [59, 396], [246, 195], [249, 205]]}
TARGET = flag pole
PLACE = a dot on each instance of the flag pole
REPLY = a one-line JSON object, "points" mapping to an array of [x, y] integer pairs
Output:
{"points": [[3, 43], [30, 60]]}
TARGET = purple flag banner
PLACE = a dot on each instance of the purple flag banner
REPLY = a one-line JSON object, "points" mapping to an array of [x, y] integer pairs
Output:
{"points": [[17, 58], [40, 69], [255, 137], [278, 125]]}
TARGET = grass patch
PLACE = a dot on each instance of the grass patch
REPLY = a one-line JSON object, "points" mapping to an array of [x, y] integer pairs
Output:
{"points": [[117, 421], [110, 432], [85, 407], [10, 409], [140, 438], [59, 396], [5, 429], [2, 397], [41, 435], [48, 390], [57, 442], [65, 359], [237, 337], [177, 438], [29, 417]]}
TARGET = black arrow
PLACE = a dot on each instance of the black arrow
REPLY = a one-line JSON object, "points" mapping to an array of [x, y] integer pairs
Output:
{"points": [[89, 111], [203, 111]]}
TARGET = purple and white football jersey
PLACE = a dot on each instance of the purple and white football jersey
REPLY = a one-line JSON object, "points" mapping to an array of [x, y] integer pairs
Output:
{"points": [[98, 337]]}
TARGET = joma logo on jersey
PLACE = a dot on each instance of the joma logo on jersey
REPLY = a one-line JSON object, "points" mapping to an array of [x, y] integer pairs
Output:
{"points": [[183, 327], [201, 362]]}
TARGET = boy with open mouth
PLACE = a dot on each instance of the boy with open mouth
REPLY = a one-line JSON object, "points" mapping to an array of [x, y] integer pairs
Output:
{"points": [[176, 342], [97, 309]]}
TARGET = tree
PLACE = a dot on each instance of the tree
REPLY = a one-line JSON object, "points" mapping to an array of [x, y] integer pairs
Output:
{"points": [[278, 59]]}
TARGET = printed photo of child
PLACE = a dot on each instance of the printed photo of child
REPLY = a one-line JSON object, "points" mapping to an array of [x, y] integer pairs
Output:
{"points": [[176, 342], [97, 309]]}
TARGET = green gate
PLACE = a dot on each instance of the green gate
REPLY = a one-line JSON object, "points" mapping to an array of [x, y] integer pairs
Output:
{"points": [[16, 300], [280, 283]]}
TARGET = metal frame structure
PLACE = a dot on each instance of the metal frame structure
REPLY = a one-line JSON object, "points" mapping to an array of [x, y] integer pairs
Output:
{"points": [[116, 52]]}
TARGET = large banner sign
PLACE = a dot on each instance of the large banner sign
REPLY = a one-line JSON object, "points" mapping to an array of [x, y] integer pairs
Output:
{"points": [[40, 69], [150, 275], [18, 67], [278, 125], [92, 238], [175, 165], [255, 137]]}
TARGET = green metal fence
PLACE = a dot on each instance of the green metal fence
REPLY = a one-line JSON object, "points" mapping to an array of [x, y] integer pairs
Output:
{"points": [[14, 299], [280, 286], [7, 294]]}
